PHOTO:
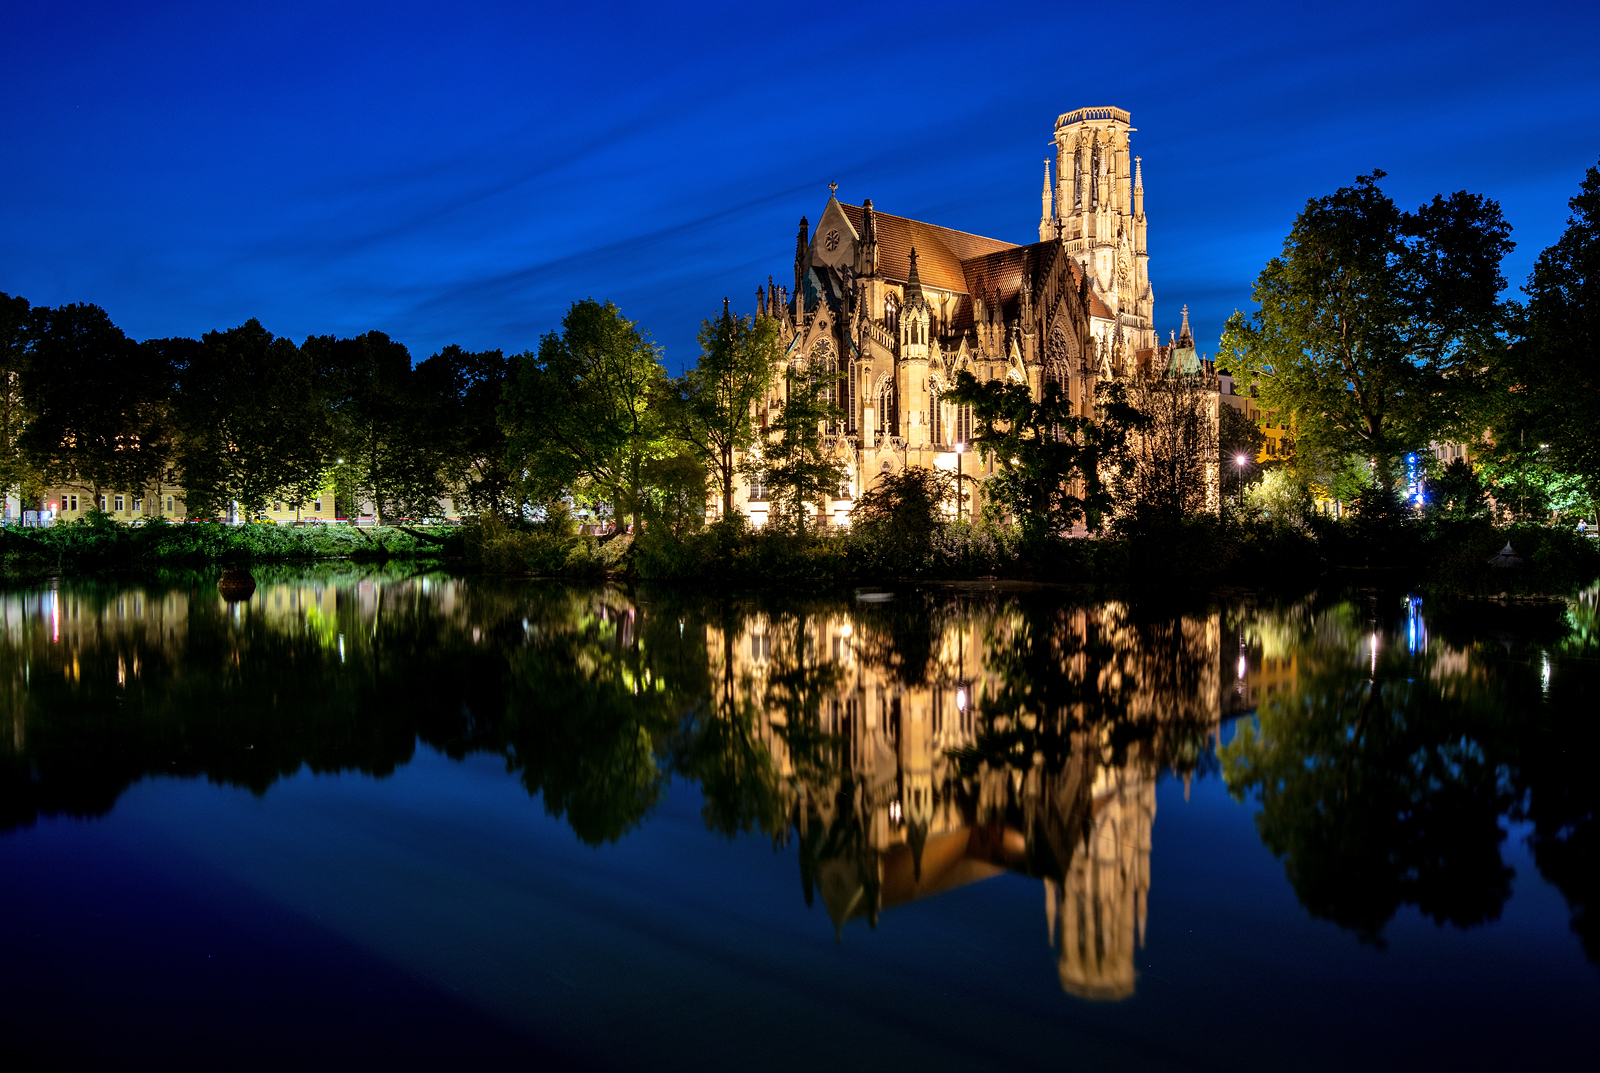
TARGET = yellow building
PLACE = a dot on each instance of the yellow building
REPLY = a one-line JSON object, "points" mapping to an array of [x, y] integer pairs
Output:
{"points": [[71, 502]]}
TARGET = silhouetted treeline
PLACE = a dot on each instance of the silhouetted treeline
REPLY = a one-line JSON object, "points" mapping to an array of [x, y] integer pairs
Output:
{"points": [[242, 416]]}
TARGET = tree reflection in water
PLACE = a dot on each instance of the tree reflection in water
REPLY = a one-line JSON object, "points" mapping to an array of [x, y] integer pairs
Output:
{"points": [[1397, 744], [906, 743]]}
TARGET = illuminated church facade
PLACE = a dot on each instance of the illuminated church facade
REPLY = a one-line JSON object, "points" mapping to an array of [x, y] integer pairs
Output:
{"points": [[895, 308]]}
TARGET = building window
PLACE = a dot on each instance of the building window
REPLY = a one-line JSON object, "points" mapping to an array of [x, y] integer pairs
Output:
{"points": [[74, 500], [169, 504], [758, 488], [102, 504], [316, 506], [277, 508], [119, 503], [963, 424], [138, 504]]}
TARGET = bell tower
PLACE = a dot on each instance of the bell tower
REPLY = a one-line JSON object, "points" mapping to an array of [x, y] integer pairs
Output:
{"points": [[1099, 208]]}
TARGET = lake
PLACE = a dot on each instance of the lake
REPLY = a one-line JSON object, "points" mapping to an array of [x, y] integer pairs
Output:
{"points": [[368, 817]]}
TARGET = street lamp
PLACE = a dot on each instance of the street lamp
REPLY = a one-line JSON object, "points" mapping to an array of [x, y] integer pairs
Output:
{"points": [[960, 450]]}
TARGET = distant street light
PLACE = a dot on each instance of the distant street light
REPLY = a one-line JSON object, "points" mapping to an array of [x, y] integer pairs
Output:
{"points": [[1243, 461]]}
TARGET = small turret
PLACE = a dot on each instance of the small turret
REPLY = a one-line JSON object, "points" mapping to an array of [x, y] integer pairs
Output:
{"points": [[801, 246]]}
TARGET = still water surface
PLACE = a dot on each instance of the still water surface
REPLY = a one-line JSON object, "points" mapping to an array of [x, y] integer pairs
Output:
{"points": [[366, 818]]}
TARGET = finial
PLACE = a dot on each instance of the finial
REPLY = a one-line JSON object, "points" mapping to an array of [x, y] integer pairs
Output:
{"points": [[724, 306], [833, 189]]}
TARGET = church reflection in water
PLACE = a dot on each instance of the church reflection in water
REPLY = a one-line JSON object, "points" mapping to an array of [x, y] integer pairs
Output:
{"points": [[904, 744], [954, 743]]}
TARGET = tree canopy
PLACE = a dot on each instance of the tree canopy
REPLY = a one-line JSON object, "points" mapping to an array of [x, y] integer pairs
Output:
{"points": [[1053, 467], [584, 414], [1375, 323], [719, 395]]}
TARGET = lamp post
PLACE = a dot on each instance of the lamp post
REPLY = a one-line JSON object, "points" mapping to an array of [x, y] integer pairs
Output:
{"points": [[960, 449]]}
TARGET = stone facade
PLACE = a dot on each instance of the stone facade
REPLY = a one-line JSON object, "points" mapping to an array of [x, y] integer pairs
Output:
{"points": [[896, 308]]}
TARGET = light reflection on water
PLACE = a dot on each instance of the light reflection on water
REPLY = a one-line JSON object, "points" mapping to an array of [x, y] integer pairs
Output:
{"points": [[897, 747]]}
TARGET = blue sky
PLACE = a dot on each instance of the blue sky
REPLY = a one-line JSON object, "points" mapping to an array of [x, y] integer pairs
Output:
{"points": [[461, 173]]}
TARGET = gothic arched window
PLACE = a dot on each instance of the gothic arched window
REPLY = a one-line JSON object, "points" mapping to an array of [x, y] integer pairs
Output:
{"points": [[888, 408], [1058, 361]]}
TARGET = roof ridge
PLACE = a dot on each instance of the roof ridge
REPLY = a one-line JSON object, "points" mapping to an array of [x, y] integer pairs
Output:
{"points": [[953, 230]]}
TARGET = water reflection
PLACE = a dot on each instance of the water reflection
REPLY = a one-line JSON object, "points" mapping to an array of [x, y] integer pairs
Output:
{"points": [[904, 744]]}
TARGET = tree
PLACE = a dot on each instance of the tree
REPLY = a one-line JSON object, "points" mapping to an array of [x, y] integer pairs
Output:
{"points": [[1551, 377], [901, 513], [1374, 322], [720, 394], [794, 459], [463, 391], [387, 448], [16, 353], [102, 405], [254, 424], [584, 414], [1176, 451], [1053, 468], [1456, 492]]}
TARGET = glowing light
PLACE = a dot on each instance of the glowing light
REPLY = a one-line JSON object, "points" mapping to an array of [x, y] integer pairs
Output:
{"points": [[961, 700], [1243, 460], [960, 448], [1242, 666], [845, 631]]}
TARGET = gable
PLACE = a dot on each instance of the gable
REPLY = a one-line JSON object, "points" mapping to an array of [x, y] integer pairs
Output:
{"points": [[834, 242]]}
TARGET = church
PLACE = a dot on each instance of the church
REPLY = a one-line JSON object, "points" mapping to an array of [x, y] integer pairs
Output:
{"points": [[899, 307]]}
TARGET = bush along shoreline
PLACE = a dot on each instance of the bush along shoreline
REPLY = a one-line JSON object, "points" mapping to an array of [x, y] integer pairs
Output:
{"points": [[1233, 550], [1251, 550], [97, 543]]}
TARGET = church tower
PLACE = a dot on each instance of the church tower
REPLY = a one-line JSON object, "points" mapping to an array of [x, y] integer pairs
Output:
{"points": [[1099, 211]]}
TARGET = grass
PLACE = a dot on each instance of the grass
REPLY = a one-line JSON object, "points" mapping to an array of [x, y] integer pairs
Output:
{"points": [[97, 543]]}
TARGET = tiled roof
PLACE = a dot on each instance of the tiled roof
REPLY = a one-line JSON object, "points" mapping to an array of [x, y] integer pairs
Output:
{"points": [[940, 250], [1003, 271]]}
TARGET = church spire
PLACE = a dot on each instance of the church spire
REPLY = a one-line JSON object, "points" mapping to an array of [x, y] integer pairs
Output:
{"points": [[1185, 337], [914, 283], [800, 244], [1047, 214], [867, 248]]}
